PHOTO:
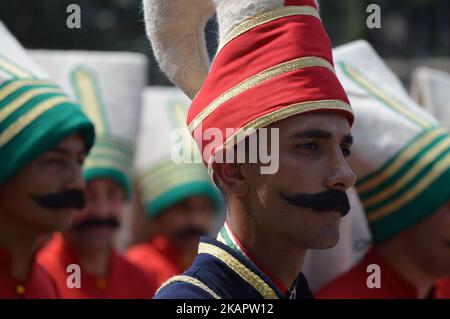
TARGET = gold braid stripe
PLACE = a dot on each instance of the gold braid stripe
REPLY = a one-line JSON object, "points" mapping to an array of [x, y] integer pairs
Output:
{"points": [[398, 163], [424, 183], [105, 163], [13, 69], [279, 115], [162, 172], [90, 100], [24, 98], [15, 85], [192, 281], [22, 122], [153, 190], [424, 161], [267, 17], [394, 104], [249, 276], [270, 73]]}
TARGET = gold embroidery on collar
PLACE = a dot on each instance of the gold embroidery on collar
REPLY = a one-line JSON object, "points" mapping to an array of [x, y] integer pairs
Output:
{"points": [[249, 276], [192, 281]]}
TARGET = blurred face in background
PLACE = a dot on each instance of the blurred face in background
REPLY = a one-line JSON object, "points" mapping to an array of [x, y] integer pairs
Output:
{"points": [[186, 221], [44, 194], [95, 226], [429, 242]]}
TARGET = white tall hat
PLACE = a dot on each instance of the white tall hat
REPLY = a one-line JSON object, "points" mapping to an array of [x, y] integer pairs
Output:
{"points": [[35, 114], [401, 154], [108, 85], [431, 89], [164, 178]]}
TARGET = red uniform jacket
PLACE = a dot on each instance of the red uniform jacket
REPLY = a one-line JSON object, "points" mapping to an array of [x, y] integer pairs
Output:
{"points": [[39, 284], [353, 284], [158, 257], [125, 280]]}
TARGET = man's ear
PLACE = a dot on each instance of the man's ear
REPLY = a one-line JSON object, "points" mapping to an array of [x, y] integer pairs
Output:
{"points": [[231, 177]]}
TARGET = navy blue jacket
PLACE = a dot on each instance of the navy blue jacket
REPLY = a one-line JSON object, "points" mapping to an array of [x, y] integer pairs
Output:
{"points": [[219, 272]]}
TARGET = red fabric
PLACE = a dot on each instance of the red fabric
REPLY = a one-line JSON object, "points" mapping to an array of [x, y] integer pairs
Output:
{"points": [[158, 257], [261, 100], [125, 280], [258, 49], [443, 289], [352, 284], [311, 3], [39, 285]]}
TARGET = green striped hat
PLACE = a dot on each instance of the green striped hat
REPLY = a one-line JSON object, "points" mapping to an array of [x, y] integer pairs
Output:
{"points": [[108, 85], [164, 181], [35, 114], [401, 154]]}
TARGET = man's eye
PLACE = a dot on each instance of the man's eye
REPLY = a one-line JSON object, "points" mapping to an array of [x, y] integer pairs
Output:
{"points": [[346, 151], [55, 162], [308, 146], [81, 159]]}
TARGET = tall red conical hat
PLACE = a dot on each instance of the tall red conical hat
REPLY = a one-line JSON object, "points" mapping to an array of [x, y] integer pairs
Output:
{"points": [[274, 61]]}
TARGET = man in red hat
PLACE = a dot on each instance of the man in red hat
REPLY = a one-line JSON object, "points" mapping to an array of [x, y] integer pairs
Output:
{"points": [[273, 73]]}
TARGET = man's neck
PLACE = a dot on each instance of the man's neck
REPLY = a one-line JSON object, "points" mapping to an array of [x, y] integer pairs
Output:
{"points": [[406, 265], [21, 243], [95, 262], [280, 259]]}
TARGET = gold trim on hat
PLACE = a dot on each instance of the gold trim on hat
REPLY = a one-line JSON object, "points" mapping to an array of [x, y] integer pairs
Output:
{"points": [[14, 85], [268, 17], [398, 163], [14, 69], [379, 94], [106, 163], [422, 163], [22, 122], [245, 273], [424, 183], [278, 115], [24, 98], [247, 84], [190, 280], [87, 90]]}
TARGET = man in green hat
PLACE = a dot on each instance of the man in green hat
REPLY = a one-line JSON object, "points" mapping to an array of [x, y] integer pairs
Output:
{"points": [[44, 138], [402, 160], [179, 198], [108, 86]]}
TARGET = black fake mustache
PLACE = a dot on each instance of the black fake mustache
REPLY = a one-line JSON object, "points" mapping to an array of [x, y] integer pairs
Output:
{"points": [[332, 200], [95, 222], [66, 199], [190, 232]]}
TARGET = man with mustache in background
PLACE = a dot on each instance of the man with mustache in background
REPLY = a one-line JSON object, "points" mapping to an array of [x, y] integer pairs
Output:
{"points": [[178, 198], [274, 70], [44, 138], [108, 86], [402, 160]]}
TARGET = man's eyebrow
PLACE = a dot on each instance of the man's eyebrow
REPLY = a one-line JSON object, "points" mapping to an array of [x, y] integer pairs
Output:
{"points": [[59, 150], [313, 133], [347, 139]]}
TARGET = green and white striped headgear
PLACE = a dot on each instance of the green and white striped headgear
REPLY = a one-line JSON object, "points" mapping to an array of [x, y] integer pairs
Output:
{"points": [[108, 85], [163, 181], [35, 113], [401, 154]]}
